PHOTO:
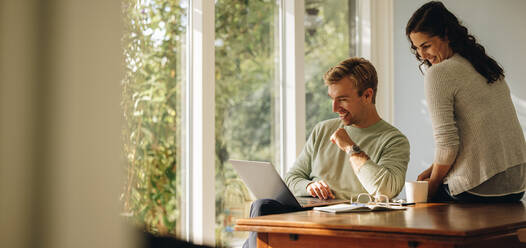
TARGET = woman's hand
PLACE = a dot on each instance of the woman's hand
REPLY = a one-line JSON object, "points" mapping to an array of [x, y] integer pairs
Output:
{"points": [[425, 174], [434, 175], [432, 188]]}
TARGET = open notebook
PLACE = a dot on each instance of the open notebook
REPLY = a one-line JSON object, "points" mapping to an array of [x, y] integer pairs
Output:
{"points": [[373, 204], [358, 207]]}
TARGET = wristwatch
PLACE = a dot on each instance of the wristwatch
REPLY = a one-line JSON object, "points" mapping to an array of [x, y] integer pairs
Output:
{"points": [[354, 149]]}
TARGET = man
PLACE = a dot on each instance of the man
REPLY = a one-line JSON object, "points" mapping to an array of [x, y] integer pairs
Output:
{"points": [[355, 153]]}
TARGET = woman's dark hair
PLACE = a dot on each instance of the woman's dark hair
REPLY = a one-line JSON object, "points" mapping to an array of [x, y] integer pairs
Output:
{"points": [[434, 19]]}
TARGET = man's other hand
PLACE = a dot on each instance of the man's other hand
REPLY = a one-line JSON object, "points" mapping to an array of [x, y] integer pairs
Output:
{"points": [[320, 189], [342, 140]]}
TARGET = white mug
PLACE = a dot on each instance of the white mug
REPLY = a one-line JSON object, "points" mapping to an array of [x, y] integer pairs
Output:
{"points": [[416, 191]]}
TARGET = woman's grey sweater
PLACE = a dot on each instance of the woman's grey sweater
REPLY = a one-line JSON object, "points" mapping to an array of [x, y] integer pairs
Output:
{"points": [[476, 130]]}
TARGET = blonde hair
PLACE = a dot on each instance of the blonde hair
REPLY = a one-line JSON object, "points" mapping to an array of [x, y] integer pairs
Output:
{"points": [[359, 70]]}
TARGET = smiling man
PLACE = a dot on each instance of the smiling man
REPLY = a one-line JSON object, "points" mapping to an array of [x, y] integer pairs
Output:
{"points": [[355, 153]]}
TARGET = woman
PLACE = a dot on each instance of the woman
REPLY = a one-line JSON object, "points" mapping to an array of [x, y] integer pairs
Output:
{"points": [[480, 153]]}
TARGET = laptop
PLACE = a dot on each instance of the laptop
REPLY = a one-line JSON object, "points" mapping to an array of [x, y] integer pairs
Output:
{"points": [[264, 182]]}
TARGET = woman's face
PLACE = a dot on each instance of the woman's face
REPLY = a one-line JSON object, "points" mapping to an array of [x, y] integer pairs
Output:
{"points": [[431, 48]]}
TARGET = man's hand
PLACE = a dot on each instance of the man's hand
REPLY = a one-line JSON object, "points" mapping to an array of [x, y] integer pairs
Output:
{"points": [[320, 189], [342, 139]]}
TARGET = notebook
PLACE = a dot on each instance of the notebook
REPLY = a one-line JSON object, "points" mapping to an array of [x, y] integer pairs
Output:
{"points": [[358, 207]]}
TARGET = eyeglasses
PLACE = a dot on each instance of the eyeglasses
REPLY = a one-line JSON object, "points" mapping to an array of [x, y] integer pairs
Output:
{"points": [[379, 199]]}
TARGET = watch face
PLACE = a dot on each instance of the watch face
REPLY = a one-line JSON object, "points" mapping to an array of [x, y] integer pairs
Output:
{"points": [[356, 149]]}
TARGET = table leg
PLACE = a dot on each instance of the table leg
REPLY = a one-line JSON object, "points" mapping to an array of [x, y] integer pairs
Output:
{"points": [[262, 241]]}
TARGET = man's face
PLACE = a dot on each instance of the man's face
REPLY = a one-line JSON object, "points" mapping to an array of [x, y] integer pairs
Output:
{"points": [[346, 102]]}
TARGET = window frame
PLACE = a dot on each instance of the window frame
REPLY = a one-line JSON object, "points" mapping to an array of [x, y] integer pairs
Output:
{"points": [[199, 211], [292, 88]]}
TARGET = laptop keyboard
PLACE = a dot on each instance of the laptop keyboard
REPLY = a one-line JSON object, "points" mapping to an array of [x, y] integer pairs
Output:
{"points": [[304, 201], [311, 200]]}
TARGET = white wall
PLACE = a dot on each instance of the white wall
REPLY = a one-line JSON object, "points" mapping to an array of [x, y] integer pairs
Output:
{"points": [[498, 25]]}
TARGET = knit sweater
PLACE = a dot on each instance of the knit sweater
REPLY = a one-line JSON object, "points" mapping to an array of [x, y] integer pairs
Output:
{"points": [[476, 129], [383, 173]]}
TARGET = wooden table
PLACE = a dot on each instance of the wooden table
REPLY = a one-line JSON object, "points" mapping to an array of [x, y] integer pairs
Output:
{"points": [[423, 225]]}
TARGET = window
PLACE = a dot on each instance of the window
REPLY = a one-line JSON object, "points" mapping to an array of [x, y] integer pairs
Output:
{"points": [[247, 103], [168, 65], [329, 38], [152, 92]]}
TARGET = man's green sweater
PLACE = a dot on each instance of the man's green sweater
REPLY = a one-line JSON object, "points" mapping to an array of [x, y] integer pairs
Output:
{"points": [[383, 173]]}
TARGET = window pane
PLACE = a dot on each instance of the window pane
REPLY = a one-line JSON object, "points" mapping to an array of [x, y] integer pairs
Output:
{"points": [[247, 90], [153, 49], [328, 40]]}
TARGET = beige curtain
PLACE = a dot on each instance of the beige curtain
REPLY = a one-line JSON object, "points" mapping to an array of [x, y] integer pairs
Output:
{"points": [[60, 120]]}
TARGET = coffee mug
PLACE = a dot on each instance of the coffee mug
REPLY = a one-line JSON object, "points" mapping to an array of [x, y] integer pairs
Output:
{"points": [[416, 191]]}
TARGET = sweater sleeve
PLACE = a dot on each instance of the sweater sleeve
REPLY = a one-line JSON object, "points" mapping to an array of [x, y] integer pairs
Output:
{"points": [[387, 176], [440, 88], [298, 177]]}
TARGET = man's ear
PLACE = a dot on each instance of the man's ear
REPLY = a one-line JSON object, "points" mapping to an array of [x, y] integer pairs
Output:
{"points": [[368, 95]]}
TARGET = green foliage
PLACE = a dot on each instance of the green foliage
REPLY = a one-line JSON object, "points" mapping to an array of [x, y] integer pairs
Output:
{"points": [[323, 50], [151, 105], [245, 94]]}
